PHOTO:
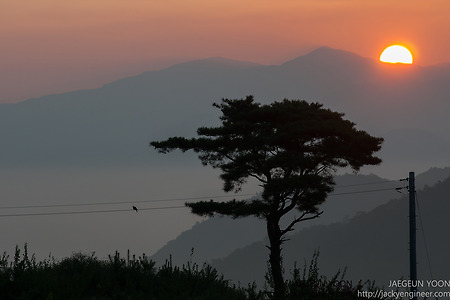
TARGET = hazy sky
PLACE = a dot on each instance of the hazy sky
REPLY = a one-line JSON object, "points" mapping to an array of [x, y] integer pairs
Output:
{"points": [[50, 46]]}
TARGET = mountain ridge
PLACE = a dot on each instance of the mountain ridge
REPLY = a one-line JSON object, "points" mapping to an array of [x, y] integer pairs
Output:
{"points": [[114, 123], [327, 55], [321, 54]]}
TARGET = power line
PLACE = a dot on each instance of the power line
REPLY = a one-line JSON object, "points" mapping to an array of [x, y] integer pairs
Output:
{"points": [[147, 201], [368, 183], [367, 191], [86, 212], [183, 199], [118, 202]]}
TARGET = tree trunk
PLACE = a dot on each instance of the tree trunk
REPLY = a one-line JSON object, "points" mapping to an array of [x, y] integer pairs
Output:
{"points": [[276, 268]]}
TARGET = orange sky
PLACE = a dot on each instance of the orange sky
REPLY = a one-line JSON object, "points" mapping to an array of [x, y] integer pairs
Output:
{"points": [[50, 46]]}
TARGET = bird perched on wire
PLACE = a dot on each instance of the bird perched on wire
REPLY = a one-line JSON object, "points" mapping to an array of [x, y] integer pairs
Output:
{"points": [[135, 208]]}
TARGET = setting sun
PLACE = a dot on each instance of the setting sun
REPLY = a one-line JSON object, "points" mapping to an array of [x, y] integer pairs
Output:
{"points": [[396, 54]]}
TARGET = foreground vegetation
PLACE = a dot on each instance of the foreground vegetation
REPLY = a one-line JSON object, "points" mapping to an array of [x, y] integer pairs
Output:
{"points": [[83, 276]]}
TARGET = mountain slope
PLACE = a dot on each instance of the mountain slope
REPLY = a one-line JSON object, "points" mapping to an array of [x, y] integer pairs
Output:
{"points": [[372, 245], [216, 238]]}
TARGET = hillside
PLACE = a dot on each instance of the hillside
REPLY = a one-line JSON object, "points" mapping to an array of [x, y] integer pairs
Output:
{"points": [[372, 245], [216, 238]]}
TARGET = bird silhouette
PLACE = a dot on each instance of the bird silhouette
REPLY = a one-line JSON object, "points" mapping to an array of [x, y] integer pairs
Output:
{"points": [[135, 208]]}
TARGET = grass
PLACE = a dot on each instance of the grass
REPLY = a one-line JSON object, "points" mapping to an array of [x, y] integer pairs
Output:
{"points": [[84, 276]]}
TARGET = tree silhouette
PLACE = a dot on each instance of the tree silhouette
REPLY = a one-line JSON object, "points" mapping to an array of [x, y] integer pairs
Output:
{"points": [[291, 147]]}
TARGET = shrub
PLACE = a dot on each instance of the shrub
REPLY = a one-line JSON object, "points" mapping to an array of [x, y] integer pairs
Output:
{"points": [[84, 276]]}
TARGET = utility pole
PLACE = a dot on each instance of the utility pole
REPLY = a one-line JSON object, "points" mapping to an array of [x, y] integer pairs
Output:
{"points": [[412, 233]]}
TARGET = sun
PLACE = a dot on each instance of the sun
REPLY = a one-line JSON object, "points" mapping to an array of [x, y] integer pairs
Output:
{"points": [[396, 54]]}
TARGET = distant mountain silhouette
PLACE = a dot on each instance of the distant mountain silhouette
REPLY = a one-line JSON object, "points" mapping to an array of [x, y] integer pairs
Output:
{"points": [[372, 245], [326, 59], [112, 125]]}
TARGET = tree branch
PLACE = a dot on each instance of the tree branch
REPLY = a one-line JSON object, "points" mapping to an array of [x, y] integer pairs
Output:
{"points": [[257, 177], [248, 173], [235, 209], [293, 203], [300, 219]]}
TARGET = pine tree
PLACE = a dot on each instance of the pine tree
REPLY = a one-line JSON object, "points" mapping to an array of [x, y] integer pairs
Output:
{"points": [[291, 147]]}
